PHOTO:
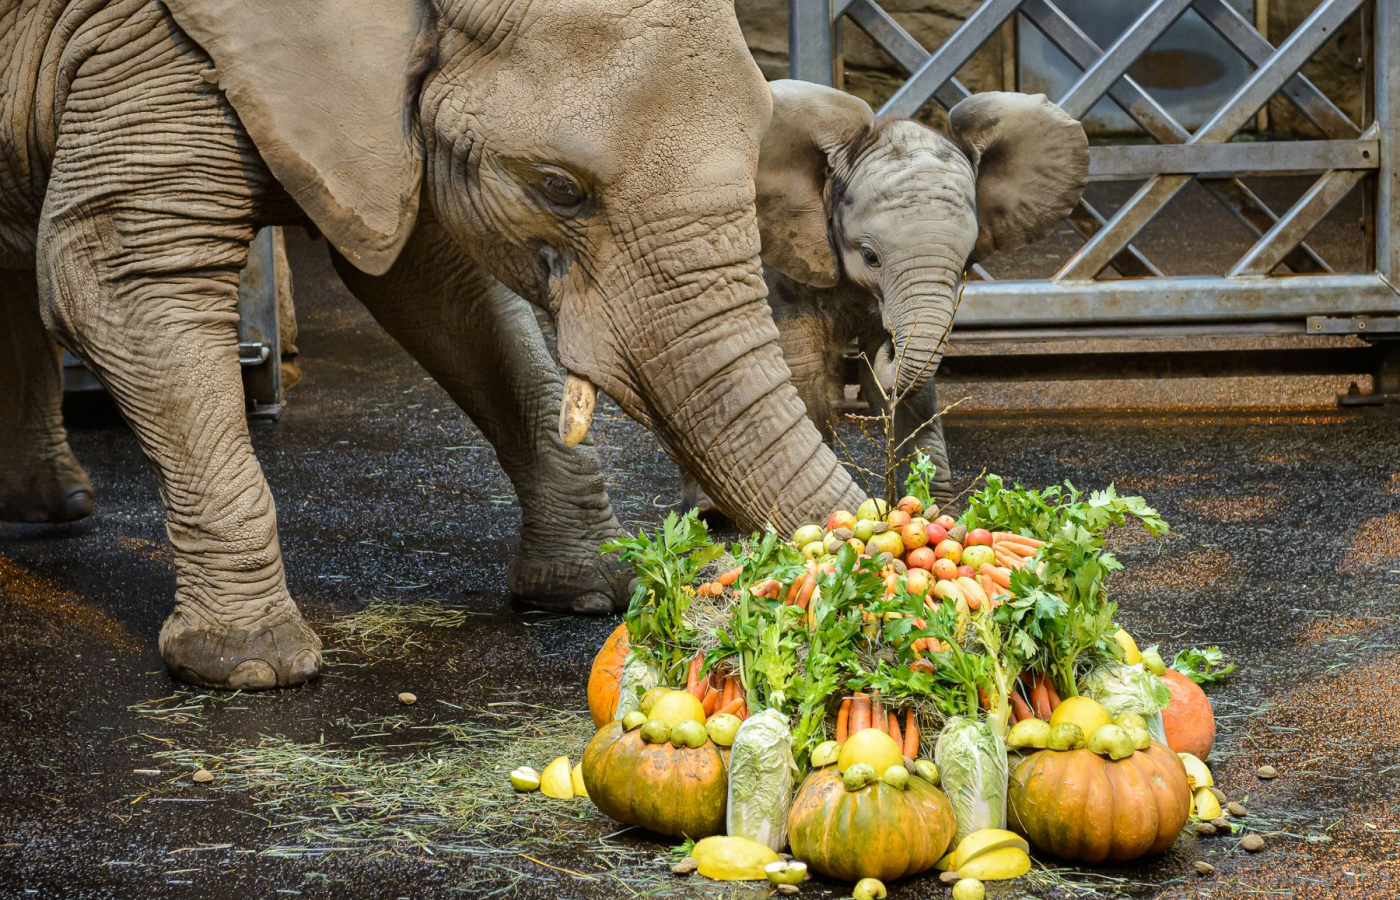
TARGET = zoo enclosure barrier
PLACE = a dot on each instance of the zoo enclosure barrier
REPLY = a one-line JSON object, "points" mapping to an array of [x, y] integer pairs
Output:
{"points": [[1280, 286]]}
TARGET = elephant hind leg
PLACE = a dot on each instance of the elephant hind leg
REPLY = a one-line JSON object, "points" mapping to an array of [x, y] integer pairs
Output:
{"points": [[40, 479]]}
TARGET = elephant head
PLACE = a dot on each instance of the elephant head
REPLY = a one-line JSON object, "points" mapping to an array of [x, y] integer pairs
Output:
{"points": [[897, 210], [596, 156]]}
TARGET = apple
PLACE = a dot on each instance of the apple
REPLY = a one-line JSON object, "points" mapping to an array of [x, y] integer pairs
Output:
{"points": [[966, 572], [946, 521], [806, 535], [979, 537], [935, 532], [921, 558], [910, 504], [945, 569], [858, 544], [913, 536], [886, 542], [814, 549], [842, 518], [872, 510], [897, 519], [976, 555], [918, 582], [864, 529]]}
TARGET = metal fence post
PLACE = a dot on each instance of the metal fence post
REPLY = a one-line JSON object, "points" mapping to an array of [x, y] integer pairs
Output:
{"points": [[1387, 63], [809, 41], [259, 338]]}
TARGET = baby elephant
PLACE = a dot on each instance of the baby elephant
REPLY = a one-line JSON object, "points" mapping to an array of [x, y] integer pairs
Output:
{"points": [[869, 224]]}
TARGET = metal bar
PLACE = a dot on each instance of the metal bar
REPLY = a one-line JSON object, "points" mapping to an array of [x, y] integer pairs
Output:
{"points": [[1296, 224], [839, 7], [1142, 301], [1362, 325], [1387, 97], [258, 329], [809, 41], [1093, 257], [1110, 66], [945, 62], [1125, 162], [1244, 37], [1131, 263], [1156, 121], [1228, 363], [1117, 333]]}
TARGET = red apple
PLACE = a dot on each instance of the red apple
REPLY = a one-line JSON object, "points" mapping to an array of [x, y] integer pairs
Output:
{"points": [[913, 536], [898, 518], [917, 582], [946, 521], [945, 569], [912, 505], [949, 550], [842, 518], [967, 572], [979, 537], [921, 558], [936, 533]]}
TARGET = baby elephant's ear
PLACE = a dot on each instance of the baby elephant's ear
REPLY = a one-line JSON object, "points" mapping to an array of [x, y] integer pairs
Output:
{"points": [[811, 125], [1032, 163], [327, 91]]}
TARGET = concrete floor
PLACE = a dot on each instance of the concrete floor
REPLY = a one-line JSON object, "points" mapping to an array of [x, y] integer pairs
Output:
{"points": [[1285, 551]]}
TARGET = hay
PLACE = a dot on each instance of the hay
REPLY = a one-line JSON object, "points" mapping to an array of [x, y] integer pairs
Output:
{"points": [[387, 628]]}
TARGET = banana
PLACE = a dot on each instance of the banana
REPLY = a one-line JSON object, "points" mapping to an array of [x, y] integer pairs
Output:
{"points": [[986, 840], [971, 589], [1207, 807], [997, 865]]}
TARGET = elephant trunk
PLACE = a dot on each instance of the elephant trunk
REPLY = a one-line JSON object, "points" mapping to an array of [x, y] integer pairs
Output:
{"points": [[698, 360], [919, 300]]}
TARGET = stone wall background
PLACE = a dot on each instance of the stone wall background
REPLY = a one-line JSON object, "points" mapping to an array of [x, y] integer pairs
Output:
{"points": [[870, 74]]}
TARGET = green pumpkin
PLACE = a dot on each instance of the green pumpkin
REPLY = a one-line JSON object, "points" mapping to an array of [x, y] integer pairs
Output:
{"points": [[676, 791], [876, 832]]}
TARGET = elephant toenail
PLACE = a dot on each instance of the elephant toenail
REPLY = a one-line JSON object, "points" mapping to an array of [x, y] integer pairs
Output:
{"points": [[305, 667], [592, 604], [252, 675], [77, 504]]}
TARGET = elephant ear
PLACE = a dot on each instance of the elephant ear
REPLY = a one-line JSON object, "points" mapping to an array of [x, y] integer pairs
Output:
{"points": [[1032, 163], [326, 89], [811, 125]]}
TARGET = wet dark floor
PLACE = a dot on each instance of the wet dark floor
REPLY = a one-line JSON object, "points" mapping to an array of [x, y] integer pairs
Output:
{"points": [[1285, 551]]}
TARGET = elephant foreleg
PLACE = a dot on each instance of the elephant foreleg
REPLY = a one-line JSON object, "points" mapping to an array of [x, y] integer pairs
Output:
{"points": [[40, 480], [484, 346], [918, 412]]}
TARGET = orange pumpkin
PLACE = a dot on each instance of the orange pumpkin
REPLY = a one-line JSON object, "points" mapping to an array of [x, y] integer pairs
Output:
{"points": [[605, 680], [679, 792], [1083, 807], [1188, 719], [876, 832]]}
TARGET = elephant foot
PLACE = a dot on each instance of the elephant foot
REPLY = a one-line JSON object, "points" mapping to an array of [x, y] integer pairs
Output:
{"points": [[586, 586], [693, 496], [254, 657], [54, 490]]}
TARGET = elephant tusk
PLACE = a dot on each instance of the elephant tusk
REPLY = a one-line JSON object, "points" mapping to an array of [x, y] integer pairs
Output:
{"points": [[576, 412]]}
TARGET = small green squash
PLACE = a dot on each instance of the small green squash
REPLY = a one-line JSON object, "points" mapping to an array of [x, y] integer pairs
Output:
{"points": [[680, 792]]}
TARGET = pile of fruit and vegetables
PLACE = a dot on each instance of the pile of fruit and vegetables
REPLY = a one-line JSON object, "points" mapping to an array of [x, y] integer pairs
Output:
{"points": [[894, 691]]}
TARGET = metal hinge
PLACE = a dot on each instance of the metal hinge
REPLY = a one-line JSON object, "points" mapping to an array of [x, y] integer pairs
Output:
{"points": [[1387, 326], [253, 354]]}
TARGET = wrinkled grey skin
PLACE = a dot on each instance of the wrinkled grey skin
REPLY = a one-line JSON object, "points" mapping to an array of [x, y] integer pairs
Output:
{"points": [[596, 157], [869, 225]]}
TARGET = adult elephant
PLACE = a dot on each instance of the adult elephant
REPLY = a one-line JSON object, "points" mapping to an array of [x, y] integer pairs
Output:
{"points": [[868, 226], [597, 157]]}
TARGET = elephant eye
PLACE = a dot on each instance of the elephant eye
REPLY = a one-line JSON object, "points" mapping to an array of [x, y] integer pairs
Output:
{"points": [[559, 187], [872, 259]]}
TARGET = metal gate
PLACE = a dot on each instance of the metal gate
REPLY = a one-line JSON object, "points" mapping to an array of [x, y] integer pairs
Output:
{"points": [[1281, 286]]}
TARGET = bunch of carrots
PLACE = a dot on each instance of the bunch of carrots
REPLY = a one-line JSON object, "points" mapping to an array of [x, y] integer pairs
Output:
{"points": [[725, 697], [1013, 551], [799, 593], [860, 711], [1043, 698]]}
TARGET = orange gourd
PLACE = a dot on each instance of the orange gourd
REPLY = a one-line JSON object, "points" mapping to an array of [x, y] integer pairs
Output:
{"points": [[605, 680], [1188, 719], [674, 791], [1083, 807], [876, 832]]}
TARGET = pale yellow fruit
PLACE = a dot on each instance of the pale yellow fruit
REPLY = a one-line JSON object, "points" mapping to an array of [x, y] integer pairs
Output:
{"points": [[1197, 773], [722, 728], [1207, 806], [577, 778], [946, 863], [525, 779], [733, 858], [1029, 733], [1112, 741], [634, 719], [869, 889], [969, 889], [825, 754], [1131, 655], [780, 872], [873, 747], [1066, 736], [971, 589], [677, 707], [997, 865], [1085, 712], [896, 777], [927, 770], [986, 840], [650, 697], [557, 779]]}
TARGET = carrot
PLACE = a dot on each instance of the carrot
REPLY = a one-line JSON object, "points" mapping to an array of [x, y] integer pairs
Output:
{"points": [[1053, 695], [911, 735], [1000, 536], [860, 713], [711, 701], [1018, 548], [731, 707], [730, 577], [742, 712], [893, 729], [792, 591], [1041, 699], [998, 577], [730, 689], [1009, 560], [877, 714], [767, 588], [1019, 706], [693, 683], [984, 699], [809, 587], [843, 721]]}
